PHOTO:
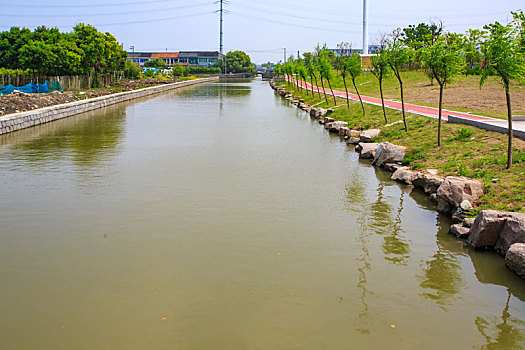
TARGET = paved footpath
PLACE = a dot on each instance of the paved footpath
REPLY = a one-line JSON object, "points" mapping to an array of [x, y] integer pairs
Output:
{"points": [[499, 125]]}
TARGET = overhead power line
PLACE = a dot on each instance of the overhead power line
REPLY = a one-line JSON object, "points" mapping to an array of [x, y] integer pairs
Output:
{"points": [[320, 28], [109, 13], [145, 2], [123, 23]]}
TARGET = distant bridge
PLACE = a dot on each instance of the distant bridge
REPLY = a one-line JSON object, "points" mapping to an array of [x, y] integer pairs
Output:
{"points": [[266, 73]]}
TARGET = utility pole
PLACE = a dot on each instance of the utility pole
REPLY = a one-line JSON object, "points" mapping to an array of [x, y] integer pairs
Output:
{"points": [[284, 55], [220, 35], [133, 53], [298, 55], [365, 27]]}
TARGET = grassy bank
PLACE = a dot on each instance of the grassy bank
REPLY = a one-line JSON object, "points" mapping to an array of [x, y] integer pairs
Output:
{"points": [[464, 95], [465, 150]]}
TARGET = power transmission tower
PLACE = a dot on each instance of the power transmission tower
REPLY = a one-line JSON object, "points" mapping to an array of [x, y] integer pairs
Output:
{"points": [[221, 11]]}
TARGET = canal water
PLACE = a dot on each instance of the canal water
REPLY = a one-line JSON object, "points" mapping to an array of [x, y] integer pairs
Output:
{"points": [[220, 217]]}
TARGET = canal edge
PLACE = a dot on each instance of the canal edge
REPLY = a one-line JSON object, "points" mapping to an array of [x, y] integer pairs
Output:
{"points": [[23, 120]]}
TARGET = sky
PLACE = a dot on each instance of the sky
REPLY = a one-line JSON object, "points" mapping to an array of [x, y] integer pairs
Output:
{"points": [[262, 28]]}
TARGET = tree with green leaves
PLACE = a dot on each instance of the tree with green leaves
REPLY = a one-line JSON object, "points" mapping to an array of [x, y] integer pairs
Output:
{"points": [[34, 56], [398, 55], [156, 62], [381, 69], [355, 69], [503, 55], [471, 44], [311, 68], [445, 61], [341, 64], [325, 71], [301, 72], [237, 62]]}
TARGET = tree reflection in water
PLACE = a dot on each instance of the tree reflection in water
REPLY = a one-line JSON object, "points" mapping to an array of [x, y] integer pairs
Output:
{"points": [[357, 202], [395, 248], [505, 332], [375, 218], [442, 278]]}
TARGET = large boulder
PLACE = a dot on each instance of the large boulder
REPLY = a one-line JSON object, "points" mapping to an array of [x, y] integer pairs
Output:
{"points": [[428, 182], [367, 150], [368, 135], [456, 189], [313, 112], [405, 175], [498, 230], [484, 232], [388, 153], [513, 231], [515, 259], [336, 126]]}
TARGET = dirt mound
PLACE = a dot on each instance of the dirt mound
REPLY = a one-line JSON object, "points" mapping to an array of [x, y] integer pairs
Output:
{"points": [[21, 102]]}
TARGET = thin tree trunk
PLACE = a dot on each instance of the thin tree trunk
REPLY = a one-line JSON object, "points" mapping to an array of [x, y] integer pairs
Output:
{"points": [[317, 86], [312, 84], [346, 89], [359, 95], [509, 116], [382, 98], [440, 110], [330, 85], [324, 91], [402, 99]]}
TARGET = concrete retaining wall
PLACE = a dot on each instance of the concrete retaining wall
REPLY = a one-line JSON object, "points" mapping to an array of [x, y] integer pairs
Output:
{"points": [[487, 126], [17, 121]]}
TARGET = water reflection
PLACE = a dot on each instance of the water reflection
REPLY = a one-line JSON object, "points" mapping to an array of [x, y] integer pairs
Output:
{"points": [[503, 332], [442, 278], [86, 140], [217, 90]]}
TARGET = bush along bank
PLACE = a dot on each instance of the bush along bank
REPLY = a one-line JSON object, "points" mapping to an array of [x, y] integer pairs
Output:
{"points": [[460, 197]]}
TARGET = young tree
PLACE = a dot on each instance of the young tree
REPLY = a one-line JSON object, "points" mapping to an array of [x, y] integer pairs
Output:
{"points": [[325, 70], [341, 64], [355, 69], [380, 70], [471, 44], [301, 72], [502, 53], [445, 62], [398, 56], [421, 36], [311, 67]]}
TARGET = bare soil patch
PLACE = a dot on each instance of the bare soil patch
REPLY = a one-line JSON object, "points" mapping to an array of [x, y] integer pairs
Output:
{"points": [[20, 102]]}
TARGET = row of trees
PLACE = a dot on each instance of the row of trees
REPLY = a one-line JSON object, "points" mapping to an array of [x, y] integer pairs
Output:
{"points": [[497, 50], [47, 51]]}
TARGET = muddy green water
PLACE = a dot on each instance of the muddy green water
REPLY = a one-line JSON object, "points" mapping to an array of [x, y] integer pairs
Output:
{"points": [[219, 217]]}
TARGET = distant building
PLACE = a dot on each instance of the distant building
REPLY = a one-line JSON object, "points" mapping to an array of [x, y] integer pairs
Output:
{"points": [[139, 58], [371, 49], [183, 58], [171, 58]]}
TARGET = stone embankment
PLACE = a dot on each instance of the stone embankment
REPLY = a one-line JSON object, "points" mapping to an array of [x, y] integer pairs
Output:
{"points": [[17, 121], [454, 195]]}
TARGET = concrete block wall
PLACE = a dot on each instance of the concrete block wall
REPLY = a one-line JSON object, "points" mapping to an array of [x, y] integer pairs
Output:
{"points": [[17, 121], [487, 126]]}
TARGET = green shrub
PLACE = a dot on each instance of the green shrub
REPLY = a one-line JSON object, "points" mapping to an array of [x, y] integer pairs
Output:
{"points": [[131, 70]]}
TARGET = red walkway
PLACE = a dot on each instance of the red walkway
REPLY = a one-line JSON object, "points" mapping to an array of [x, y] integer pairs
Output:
{"points": [[409, 108]]}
